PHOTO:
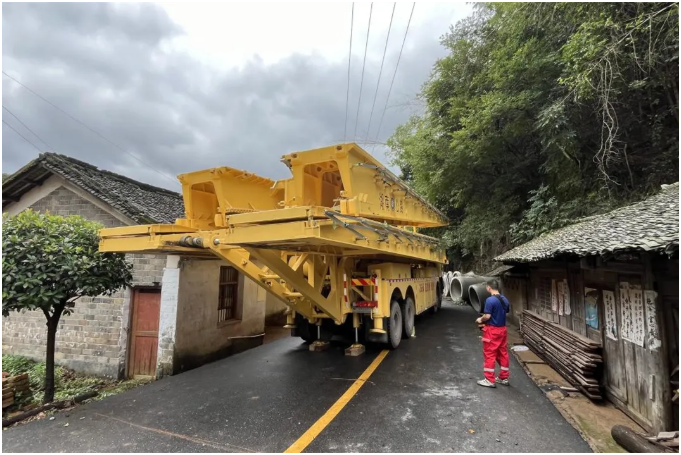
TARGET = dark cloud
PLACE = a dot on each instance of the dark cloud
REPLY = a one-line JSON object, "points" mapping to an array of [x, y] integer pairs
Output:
{"points": [[109, 66]]}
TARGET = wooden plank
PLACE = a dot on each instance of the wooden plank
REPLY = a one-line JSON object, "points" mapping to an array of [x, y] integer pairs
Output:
{"points": [[574, 356]]}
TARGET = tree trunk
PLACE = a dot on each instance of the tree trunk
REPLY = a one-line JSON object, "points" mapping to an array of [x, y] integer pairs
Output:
{"points": [[634, 442], [52, 324]]}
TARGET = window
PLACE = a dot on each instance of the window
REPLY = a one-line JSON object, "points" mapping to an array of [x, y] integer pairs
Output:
{"points": [[544, 294], [229, 294]]}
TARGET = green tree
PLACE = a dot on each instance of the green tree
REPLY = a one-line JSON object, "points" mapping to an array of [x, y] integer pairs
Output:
{"points": [[48, 262], [542, 113]]}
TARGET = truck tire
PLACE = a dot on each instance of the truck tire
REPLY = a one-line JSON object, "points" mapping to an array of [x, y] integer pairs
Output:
{"points": [[305, 330], [435, 308], [394, 325], [408, 315]]}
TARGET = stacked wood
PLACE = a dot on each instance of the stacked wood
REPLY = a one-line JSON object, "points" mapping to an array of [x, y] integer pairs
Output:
{"points": [[7, 396], [577, 358], [13, 385]]}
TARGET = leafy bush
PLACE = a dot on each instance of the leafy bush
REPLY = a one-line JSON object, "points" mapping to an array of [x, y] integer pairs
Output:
{"points": [[68, 384], [15, 365], [580, 98]]}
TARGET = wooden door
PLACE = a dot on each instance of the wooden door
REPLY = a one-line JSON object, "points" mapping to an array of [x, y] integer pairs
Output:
{"points": [[577, 310], [635, 358], [146, 306], [613, 353]]}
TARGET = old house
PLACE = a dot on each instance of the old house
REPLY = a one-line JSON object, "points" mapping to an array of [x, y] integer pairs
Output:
{"points": [[614, 278], [178, 314]]}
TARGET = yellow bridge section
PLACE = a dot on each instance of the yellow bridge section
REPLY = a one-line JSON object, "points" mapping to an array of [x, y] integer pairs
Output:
{"points": [[296, 236]]}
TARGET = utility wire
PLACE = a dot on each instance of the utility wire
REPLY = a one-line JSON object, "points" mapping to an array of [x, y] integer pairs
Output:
{"points": [[347, 95], [385, 49], [29, 129], [366, 45], [394, 74], [22, 136], [91, 129]]}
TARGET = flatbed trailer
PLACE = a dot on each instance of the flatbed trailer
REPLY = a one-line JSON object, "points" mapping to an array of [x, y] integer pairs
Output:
{"points": [[338, 242]]}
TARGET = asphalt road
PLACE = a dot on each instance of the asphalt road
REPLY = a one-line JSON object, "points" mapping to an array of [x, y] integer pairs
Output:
{"points": [[423, 397]]}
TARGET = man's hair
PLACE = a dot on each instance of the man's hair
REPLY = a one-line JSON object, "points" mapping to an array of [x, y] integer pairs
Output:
{"points": [[494, 284]]}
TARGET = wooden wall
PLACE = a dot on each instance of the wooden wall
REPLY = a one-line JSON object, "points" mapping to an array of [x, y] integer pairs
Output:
{"points": [[515, 290], [636, 373], [666, 273]]}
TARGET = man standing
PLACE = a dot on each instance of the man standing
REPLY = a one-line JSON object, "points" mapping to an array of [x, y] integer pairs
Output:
{"points": [[494, 336]]}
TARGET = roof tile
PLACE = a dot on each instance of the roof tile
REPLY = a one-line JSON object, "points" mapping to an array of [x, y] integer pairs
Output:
{"points": [[141, 202], [650, 225]]}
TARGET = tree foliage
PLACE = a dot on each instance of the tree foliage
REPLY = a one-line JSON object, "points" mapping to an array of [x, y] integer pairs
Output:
{"points": [[48, 262], [542, 113]]}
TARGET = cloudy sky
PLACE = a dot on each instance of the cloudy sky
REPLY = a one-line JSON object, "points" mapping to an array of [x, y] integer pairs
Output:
{"points": [[186, 87]]}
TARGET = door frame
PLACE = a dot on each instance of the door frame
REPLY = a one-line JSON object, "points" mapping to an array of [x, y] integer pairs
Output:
{"points": [[131, 316]]}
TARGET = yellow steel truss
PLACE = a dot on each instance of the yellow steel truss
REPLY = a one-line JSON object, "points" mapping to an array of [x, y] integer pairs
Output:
{"points": [[297, 238]]}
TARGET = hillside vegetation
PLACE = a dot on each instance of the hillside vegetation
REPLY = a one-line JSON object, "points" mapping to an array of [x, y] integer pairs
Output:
{"points": [[540, 114]]}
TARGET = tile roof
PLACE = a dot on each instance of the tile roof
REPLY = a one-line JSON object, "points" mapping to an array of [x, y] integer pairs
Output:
{"points": [[498, 271], [142, 203], [649, 225]]}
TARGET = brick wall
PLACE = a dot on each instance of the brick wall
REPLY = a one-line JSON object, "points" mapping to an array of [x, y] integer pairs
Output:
{"points": [[93, 339]]}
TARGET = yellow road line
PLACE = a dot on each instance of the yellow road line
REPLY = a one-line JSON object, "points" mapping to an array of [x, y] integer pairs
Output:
{"points": [[309, 436]]}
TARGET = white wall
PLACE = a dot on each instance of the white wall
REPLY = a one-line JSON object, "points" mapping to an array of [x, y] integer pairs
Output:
{"points": [[200, 338]]}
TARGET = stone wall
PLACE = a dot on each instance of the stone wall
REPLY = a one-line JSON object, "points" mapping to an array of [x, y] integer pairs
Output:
{"points": [[93, 339]]}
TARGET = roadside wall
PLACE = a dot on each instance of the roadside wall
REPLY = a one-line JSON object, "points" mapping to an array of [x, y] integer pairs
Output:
{"points": [[90, 340], [200, 338]]}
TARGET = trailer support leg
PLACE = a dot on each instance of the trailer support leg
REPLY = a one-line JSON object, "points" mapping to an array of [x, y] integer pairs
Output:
{"points": [[357, 348], [290, 320], [378, 326], [319, 345]]}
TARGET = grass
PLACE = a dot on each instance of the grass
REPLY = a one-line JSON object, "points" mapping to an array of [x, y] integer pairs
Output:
{"points": [[68, 384]]}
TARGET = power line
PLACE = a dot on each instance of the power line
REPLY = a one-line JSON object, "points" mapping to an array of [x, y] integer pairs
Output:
{"points": [[394, 74], [29, 129], [385, 49], [91, 129], [347, 95], [21, 135], [366, 45]]}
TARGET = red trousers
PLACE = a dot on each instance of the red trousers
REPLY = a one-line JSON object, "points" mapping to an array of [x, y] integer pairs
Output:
{"points": [[494, 349]]}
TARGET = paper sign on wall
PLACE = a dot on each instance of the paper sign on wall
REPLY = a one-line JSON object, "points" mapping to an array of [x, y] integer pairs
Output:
{"points": [[554, 297], [653, 338], [638, 321], [566, 296], [626, 315], [610, 315], [561, 297]]}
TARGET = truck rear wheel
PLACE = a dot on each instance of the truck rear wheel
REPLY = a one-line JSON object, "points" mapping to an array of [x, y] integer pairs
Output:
{"points": [[305, 330], [435, 308], [394, 325], [408, 313]]}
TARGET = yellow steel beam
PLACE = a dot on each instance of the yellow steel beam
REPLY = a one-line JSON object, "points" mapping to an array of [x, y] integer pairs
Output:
{"points": [[301, 236], [369, 189], [277, 216], [241, 260], [144, 229], [147, 243], [329, 305]]}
